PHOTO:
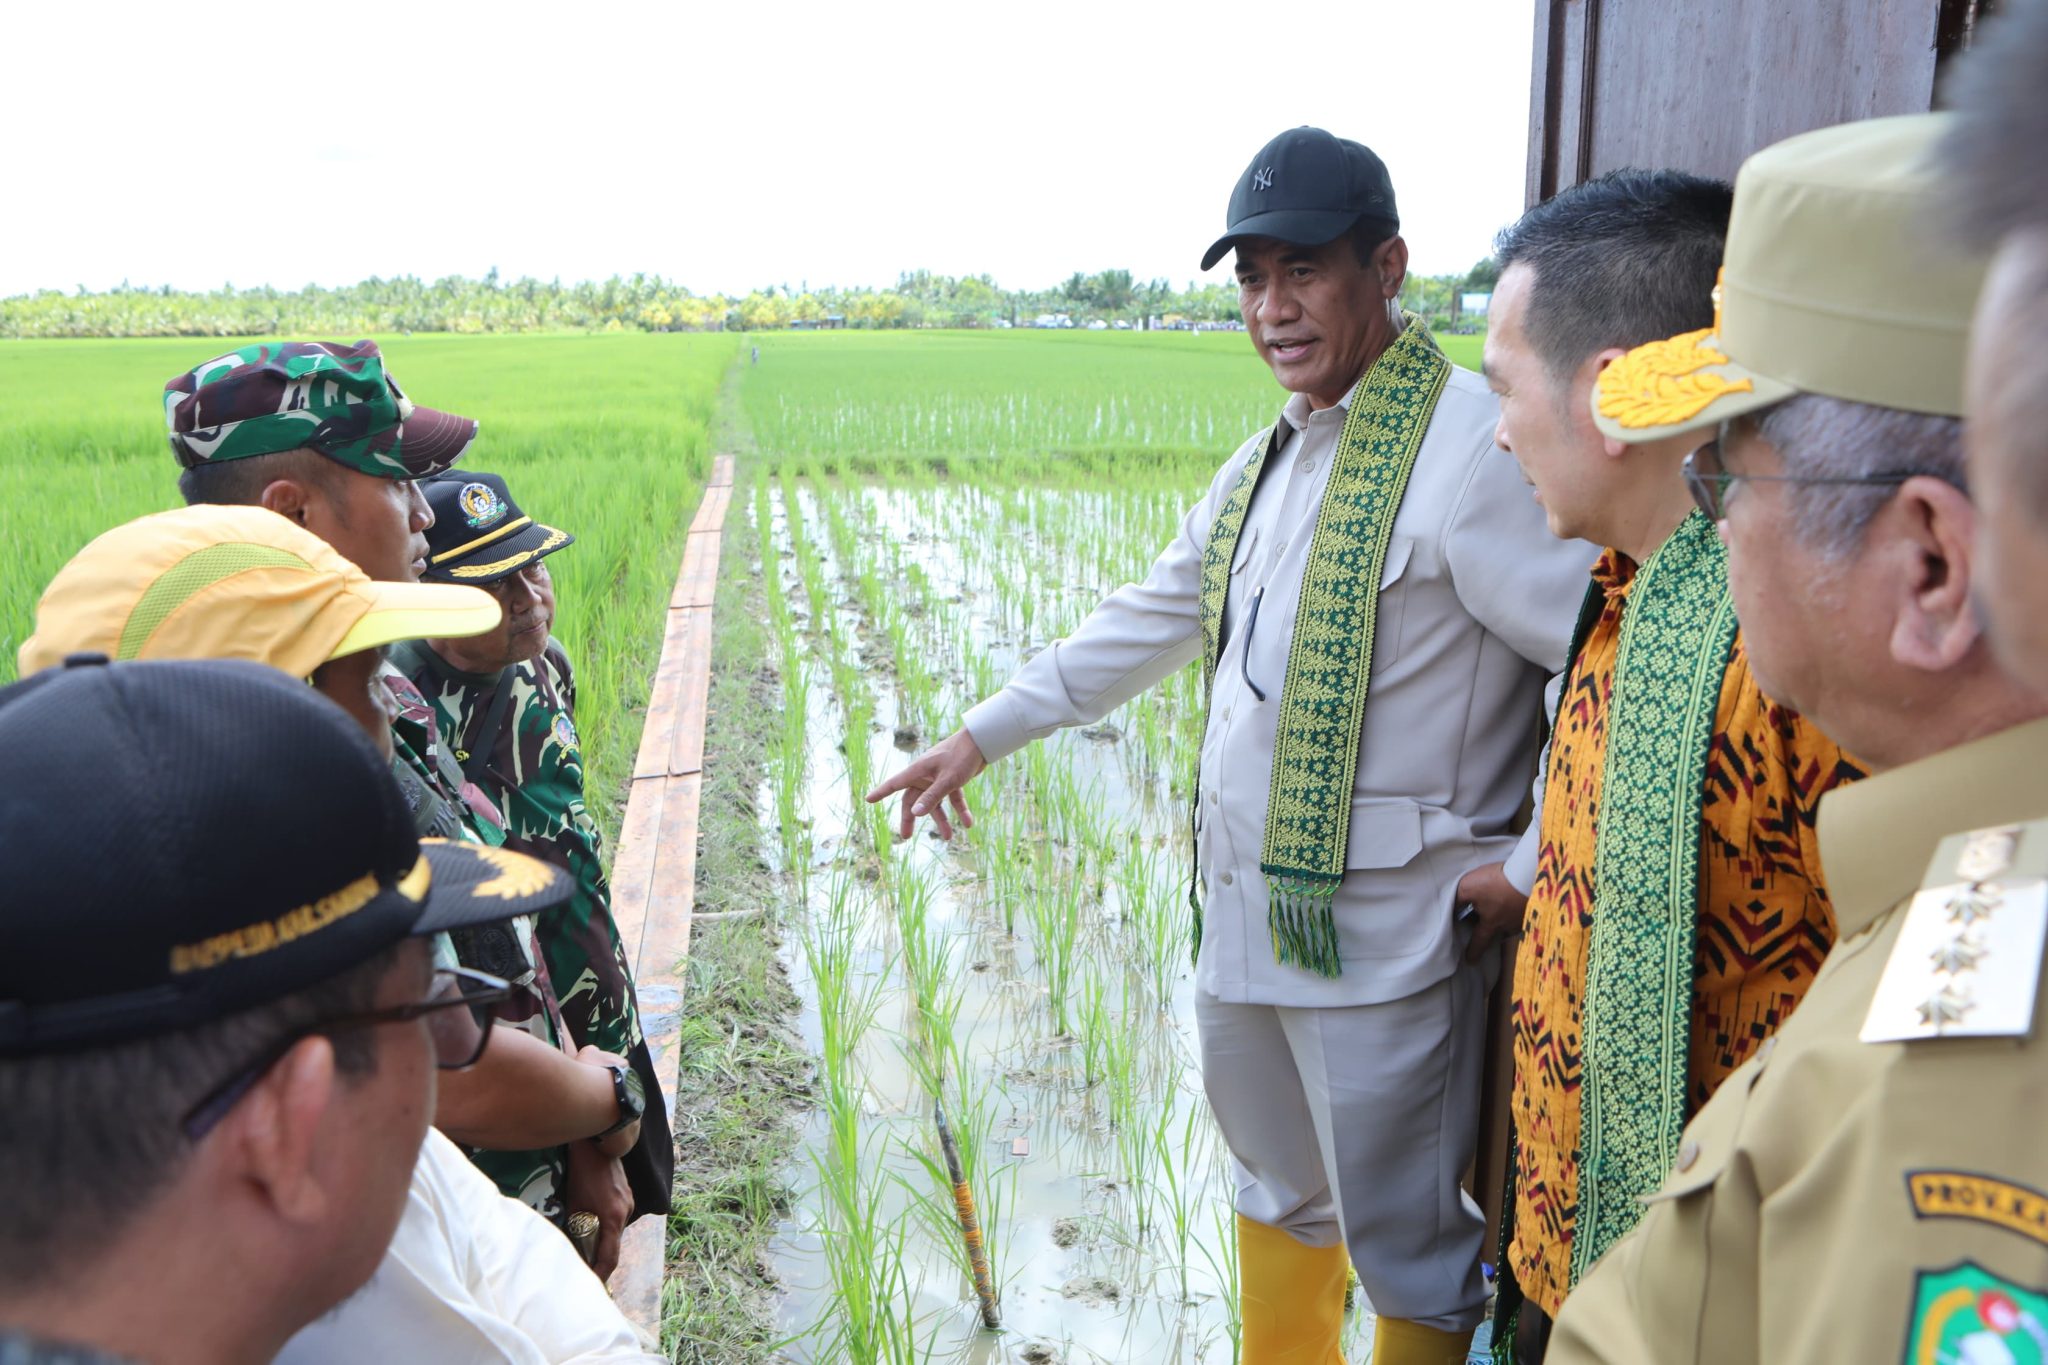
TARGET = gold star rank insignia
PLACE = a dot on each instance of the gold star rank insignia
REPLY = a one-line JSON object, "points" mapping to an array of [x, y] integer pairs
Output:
{"points": [[1959, 954], [1973, 903], [1946, 1006], [1968, 949]]}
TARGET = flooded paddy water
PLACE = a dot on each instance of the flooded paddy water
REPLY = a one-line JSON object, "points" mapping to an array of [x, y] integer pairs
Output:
{"points": [[1033, 977]]}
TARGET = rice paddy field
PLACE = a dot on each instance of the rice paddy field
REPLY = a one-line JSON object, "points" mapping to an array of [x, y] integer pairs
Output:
{"points": [[915, 515]]}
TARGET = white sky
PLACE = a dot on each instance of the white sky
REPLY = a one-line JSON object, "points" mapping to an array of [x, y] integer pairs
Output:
{"points": [[726, 146]]}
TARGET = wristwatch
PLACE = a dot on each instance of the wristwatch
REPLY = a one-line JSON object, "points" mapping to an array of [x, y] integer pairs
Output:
{"points": [[629, 1094]]}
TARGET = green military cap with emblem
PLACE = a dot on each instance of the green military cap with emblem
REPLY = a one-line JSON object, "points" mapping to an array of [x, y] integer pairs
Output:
{"points": [[337, 399], [1834, 281]]}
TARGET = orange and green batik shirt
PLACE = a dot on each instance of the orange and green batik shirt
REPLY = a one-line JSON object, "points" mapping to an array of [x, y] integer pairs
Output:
{"points": [[1764, 918]]}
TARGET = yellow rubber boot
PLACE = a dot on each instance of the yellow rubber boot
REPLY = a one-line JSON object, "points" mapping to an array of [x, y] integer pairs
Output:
{"points": [[1291, 1296], [1399, 1342]]}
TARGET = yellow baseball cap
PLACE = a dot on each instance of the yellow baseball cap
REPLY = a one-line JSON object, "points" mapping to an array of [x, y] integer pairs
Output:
{"points": [[214, 582], [1831, 283]]}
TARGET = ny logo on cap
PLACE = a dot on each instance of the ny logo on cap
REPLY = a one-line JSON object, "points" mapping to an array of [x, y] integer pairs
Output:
{"points": [[1262, 178]]}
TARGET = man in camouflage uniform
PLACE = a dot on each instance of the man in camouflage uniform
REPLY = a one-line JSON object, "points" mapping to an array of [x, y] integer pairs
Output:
{"points": [[321, 434], [508, 698]]}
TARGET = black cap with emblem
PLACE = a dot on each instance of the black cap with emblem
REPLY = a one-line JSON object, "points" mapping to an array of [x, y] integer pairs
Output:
{"points": [[479, 534], [183, 840], [1307, 187]]}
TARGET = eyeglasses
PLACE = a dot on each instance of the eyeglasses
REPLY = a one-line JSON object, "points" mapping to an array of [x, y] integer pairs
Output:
{"points": [[458, 1014], [1709, 481]]}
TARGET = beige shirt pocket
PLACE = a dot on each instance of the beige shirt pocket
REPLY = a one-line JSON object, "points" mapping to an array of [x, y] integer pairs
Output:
{"points": [[1384, 877], [1384, 834]]}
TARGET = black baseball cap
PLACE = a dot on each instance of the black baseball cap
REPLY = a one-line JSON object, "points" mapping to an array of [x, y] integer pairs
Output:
{"points": [[184, 840], [1307, 187], [479, 534]]}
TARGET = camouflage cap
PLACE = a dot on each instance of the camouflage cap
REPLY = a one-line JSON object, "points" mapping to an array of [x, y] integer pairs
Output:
{"points": [[339, 400]]}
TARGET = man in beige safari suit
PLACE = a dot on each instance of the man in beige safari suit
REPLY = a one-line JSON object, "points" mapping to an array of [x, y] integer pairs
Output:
{"points": [[1868, 1187], [1349, 851]]}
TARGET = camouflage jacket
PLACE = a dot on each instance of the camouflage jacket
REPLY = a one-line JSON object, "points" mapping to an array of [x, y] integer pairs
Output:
{"points": [[533, 769], [445, 806]]}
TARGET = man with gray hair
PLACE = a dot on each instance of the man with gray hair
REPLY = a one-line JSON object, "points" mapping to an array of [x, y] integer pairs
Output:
{"points": [[1678, 914], [1881, 1152], [1999, 199]]}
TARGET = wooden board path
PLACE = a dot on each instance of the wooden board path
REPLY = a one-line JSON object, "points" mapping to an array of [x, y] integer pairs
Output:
{"points": [[654, 874]]}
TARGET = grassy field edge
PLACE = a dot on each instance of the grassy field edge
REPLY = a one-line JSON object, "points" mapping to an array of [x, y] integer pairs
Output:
{"points": [[744, 1072]]}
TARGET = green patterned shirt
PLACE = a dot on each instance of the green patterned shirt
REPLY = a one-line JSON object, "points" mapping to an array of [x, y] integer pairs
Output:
{"points": [[445, 806], [532, 767]]}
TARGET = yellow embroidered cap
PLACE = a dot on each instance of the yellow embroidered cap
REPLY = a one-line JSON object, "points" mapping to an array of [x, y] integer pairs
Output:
{"points": [[1831, 283], [214, 582]]}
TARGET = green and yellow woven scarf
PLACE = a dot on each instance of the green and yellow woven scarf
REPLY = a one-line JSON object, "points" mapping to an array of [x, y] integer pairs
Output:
{"points": [[1329, 664], [1676, 642]]}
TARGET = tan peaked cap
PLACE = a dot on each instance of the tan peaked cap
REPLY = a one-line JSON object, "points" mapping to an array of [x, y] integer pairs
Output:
{"points": [[1833, 282]]}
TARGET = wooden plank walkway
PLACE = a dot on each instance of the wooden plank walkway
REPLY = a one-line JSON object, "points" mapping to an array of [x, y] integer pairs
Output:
{"points": [[654, 874]]}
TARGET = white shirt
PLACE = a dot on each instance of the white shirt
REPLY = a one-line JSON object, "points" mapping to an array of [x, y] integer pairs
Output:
{"points": [[1477, 603], [472, 1278]]}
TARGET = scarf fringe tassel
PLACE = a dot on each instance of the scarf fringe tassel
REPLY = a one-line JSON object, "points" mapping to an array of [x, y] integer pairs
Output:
{"points": [[1301, 916]]}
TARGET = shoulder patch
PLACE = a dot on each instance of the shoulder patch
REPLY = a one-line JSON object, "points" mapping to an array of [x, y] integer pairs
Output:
{"points": [[1980, 1199], [1966, 1315], [1967, 961], [565, 731]]}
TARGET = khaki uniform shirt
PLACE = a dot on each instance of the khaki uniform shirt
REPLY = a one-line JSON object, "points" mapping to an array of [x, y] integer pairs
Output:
{"points": [[1867, 1202], [1476, 606]]}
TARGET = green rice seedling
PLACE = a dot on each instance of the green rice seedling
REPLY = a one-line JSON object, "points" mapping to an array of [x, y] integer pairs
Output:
{"points": [[847, 1002], [1221, 1253], [1097, 1023], [1056, 917], [928, 968], [860, 762], [871, 1320], [1128, 1100], [1069, 804], [791, 764], [1155, 921], [810, 569], [1177, 1147]]}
